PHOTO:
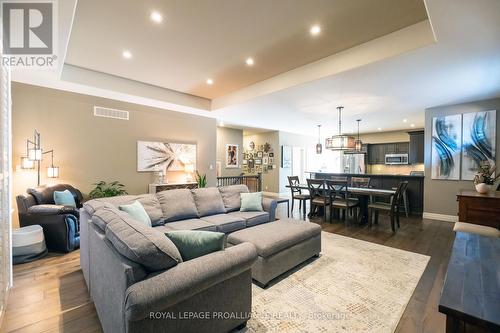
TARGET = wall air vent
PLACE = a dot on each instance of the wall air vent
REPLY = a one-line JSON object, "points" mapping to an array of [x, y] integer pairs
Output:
{"points": [[100, 111]]}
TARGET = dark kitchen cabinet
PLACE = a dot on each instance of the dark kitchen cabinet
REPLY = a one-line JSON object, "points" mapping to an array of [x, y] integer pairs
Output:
{"points": [[377, 151], [416, 154]]}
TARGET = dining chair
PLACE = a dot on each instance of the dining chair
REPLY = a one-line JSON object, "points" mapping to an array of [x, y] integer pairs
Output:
{"points": [[363, 182], [297, 194], [318, 195], [393, 207], [338, 192]]}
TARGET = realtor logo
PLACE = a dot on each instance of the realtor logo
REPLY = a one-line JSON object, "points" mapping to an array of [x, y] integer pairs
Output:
{"points": [[29, 33]]}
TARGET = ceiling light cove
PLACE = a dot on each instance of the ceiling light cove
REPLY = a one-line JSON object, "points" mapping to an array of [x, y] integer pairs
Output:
{"points": [[156, 17], [315, 30], [127, 54], [249, 61], [210, 82]]}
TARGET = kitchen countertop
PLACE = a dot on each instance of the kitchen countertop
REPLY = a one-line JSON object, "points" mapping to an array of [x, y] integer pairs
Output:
{"points": [[365, 174]]}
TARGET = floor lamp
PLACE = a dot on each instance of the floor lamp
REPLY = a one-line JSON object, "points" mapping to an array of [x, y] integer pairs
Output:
{"points": [[34, 154]]}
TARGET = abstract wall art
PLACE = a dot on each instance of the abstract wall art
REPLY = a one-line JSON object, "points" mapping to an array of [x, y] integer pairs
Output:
{"points": [[157, 156], [478, 142], [446, 147], [232, 156]]}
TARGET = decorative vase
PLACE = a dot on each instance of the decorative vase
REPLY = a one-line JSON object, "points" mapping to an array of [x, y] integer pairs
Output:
{"points": [[483, 188]]}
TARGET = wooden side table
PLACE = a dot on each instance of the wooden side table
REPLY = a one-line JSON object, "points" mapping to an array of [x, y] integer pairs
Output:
{"points": [[476, 208]]}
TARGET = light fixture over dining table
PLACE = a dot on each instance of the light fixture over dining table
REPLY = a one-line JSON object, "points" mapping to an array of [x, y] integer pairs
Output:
{"points": [[340, 141]]}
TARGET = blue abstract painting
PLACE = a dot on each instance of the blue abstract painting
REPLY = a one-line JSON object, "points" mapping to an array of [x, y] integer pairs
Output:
{"points": [[479, 138], [446, 147]]}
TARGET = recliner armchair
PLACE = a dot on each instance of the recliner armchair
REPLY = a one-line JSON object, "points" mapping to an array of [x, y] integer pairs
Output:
{"points": [[60, 223]]}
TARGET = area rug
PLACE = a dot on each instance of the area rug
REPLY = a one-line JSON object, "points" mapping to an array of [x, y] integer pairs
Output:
{"points": [[354, 286]]}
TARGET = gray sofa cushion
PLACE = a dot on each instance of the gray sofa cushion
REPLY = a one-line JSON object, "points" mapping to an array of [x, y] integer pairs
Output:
{"points": [[177, 205], [208, 201], [191, 224], [226, 223], [137, 242], [271, 238], [148, 201], [252, 218], [231, 196]]}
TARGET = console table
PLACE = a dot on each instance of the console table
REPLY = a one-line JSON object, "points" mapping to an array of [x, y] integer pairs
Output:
{"points": [[479, 208], [155, 188], [470, 298]]}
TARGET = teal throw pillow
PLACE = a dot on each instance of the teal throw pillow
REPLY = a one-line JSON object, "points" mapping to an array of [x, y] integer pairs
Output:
{"points": [[64, 198], [196, 243], [251, 202], [137, 211]]}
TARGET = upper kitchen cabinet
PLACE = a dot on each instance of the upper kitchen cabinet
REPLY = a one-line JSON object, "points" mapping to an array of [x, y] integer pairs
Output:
{"points": [[416, 154]]}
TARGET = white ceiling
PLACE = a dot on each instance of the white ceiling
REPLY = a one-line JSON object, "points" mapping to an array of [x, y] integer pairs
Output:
{"points": [[463, 65], [211, 39]]}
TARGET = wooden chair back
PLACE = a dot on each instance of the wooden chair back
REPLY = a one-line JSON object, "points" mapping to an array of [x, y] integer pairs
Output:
{"points": [[362, 182], [338, 187], [398, 196], [316, 188], [294, 181]]}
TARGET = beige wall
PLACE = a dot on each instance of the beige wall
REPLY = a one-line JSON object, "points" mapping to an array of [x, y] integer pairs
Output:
{"points": [[385, 137], [293, 140], [270, 180], [226, 136], [440, 195], [89, 149]]}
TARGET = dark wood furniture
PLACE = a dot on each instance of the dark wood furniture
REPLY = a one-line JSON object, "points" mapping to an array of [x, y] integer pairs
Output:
{"points": [[363, 182], [479, 208], [415, 190], [338, 193], [287, 201], [155, 188], [393, 207], [320, 198], [377, 151], [470, 298], [298, 195], [363, 194], [416, 151]]}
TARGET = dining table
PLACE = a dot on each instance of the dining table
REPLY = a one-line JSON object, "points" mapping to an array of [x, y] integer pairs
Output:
{"points": [[362, 193]]}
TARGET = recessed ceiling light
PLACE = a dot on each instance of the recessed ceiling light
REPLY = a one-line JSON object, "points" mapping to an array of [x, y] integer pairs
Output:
{"points": [[221, 124], [405, 120], [379, 129], [249, 61], [412, 125], [127, 54], [210, 81], [315, 30], [156, 17]]}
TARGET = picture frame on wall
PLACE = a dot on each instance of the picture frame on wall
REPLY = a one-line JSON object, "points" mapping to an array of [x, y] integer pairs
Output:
{"points": [[245, 162], [260, 154], [286, 157], [258, 162], [265, 160], [271, 154], [271, 160], [232, 156], [167, 156]]}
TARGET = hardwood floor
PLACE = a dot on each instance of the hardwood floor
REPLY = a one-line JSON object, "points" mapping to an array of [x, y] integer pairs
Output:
{"points": [[50, 295]]}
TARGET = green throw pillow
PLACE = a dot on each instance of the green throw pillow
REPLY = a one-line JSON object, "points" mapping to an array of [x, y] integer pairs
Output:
{"points": [[64, 198], [251, 202], [137, 211], [196, 243]]}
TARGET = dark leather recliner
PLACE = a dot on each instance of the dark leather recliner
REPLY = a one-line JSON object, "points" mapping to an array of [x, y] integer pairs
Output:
{"points": [[60, 224]]}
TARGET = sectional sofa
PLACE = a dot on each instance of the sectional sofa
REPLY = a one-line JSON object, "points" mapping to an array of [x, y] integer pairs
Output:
{"points": [[136, 276]]}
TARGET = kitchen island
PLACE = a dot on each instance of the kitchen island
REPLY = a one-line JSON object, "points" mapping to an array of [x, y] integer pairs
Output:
{"points": [[415, 189]]}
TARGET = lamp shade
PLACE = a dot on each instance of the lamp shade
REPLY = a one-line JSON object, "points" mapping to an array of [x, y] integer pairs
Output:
{"points": [[319, 148], [340, 142], [34, 154], [358, 145], [26, 163], [53, 172]]}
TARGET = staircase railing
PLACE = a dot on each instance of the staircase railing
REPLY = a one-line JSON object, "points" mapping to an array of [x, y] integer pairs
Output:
{"points": [[254, 182]]}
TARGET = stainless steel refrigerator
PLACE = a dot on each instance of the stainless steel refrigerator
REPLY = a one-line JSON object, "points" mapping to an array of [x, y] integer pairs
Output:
{"points": [[354, 163]]}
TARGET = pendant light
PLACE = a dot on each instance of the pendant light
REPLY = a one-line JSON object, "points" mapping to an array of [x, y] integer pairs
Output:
{"points": [[340, 141], [358, 143], [319, 146]]}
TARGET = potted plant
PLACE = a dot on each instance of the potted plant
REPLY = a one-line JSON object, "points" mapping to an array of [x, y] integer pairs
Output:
{"points": [[484, 179], [201, 180], [103, 189]]}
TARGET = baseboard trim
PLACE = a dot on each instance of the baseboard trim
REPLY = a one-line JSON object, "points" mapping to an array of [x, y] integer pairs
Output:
{"points": [[440, 217]]}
